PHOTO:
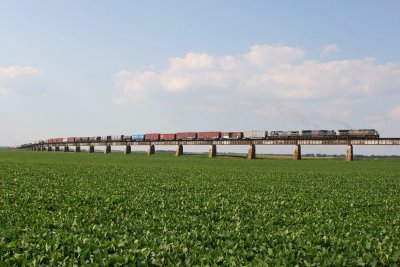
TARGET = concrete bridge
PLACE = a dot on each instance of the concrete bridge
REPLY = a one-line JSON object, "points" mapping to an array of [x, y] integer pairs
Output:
{"points": [[251, 143]]}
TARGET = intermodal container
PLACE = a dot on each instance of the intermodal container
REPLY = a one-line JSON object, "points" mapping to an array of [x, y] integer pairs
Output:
{"points": [[70, 139], [258, 134], [167, 137], [152, 137], [186, 136], [208, 135]]}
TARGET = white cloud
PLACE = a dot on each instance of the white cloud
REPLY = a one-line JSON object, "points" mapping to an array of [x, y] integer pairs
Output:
{"points": [[330, 49], [16, 78], [270, 55], [192, 61], [395, 113], [278, 71], [266, 82], [15, 71]]}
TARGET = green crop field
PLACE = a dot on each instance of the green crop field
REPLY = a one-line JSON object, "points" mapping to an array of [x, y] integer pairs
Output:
{"points": [[70, 208]]}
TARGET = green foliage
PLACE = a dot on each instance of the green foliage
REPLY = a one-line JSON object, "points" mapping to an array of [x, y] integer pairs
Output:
{"points": [[77, 209]]}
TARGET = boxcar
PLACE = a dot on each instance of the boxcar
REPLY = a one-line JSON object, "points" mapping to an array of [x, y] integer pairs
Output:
{"points": [[186, 136], [137, 137], [152, 137], [258, 134], [208, 135], [116, 137], [127, 137], [231, 135], [168, 137]]}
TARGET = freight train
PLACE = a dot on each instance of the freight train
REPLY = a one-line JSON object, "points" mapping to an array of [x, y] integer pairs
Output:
{"points": [[187, 136]]}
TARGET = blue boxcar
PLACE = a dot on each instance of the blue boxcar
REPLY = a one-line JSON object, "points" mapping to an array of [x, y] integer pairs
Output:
{"points": [[137, 137]]}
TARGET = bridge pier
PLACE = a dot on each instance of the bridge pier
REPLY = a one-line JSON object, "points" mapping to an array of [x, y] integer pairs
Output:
{"points": [[128, 149], [212, 152], [108, 149], [57, 149], [297, 152], [91, 149], [179, 150], [349, 153], [77, 149], [251, 153], [152, 150], [66, 149]]}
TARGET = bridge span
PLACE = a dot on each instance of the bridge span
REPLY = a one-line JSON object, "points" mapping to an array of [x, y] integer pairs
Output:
{"points": [[251, 143]]}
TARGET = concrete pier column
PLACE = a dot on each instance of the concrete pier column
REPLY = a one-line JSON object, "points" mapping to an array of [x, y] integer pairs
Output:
{"points": [[66, 149], [251, 153], [297, 152], [179, 150], [152, 150], [49, 148], [57, 148], [91, 149], [212, 152], [77, 149], [127, 149], [349, 153], [108, 149]]}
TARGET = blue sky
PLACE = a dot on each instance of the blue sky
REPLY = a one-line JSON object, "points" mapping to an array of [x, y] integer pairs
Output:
{"points": [[83, 68]]}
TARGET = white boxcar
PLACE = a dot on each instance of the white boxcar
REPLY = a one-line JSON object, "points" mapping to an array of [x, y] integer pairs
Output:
{"points": [[255, 134], [116, 138]]}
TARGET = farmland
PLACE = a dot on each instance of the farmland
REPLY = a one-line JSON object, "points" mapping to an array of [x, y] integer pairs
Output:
{"points": [[66, 208]]}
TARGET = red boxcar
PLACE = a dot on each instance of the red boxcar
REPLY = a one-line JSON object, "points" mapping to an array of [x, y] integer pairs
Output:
{"points": [[70, 139], [186, 136], [232, 135], [167, 136], [152, 137], [55, 140], [208, 135]]}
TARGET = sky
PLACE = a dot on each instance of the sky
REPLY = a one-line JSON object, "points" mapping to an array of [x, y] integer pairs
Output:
{"points": [[91, 68]]}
